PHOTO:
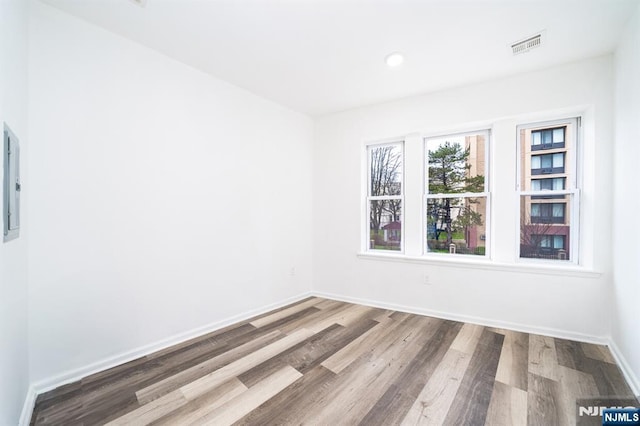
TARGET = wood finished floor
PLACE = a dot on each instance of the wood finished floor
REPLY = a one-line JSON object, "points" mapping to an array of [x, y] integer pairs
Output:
{"points": [[323, 362]]}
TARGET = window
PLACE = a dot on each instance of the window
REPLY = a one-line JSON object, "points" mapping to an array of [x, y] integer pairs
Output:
{"points": [[385, 196], [551, 241], [456, 194], [547, 163], [547, 213], [547, 138], [11, 185], [547, 184], [548, 223]]}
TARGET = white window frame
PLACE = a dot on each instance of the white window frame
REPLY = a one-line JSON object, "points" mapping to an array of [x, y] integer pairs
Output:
{"points": [[572, 189], [486, 194], [369, 197]]}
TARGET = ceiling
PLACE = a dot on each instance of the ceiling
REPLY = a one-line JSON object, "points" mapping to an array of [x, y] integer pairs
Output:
{"points": [[323, 56]]}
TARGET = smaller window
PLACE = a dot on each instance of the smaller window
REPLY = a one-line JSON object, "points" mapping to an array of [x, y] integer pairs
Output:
{"points": [[385, 196], [547, 139], [547, 163], [553, 242], [547, 184], [547, 213]]}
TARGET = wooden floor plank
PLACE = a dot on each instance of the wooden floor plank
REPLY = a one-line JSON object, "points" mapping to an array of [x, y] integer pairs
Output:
{"points": [[433, 403], [347, 403], [372, 344], [202, 406], [188, 375], [216, 378], [311, 352], [508, 406], [468, 338], [286, 407], [513, 367], [608, 377], [472, 400], [261, 322], [246, 402], [543, 402], [394, 404], [598, 352], [151, 411], [543, 360]]}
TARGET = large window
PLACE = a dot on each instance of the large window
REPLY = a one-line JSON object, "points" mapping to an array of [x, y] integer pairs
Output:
{"points": [[385, 196], [456, 194], [548, 205], [430, 197]]}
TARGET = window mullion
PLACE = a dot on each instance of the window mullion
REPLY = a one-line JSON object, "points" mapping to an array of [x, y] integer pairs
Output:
{"points": [[413, 195]]}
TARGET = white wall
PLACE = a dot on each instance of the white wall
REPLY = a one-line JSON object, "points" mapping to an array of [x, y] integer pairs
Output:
{"points": [[626, 237], [162, 199], [558, 304], [14, 376]]}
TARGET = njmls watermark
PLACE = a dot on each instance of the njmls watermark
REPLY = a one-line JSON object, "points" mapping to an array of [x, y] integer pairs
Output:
{"points": [[607, 411]]}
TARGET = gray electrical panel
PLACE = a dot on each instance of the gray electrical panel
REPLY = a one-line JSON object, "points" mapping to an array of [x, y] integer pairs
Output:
{"points": [[11, 185]]}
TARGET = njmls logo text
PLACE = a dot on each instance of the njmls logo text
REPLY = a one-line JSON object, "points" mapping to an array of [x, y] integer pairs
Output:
{"points": [[625, 416], [599, 411]]}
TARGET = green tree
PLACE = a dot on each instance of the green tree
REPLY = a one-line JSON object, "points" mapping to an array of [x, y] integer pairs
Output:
{"points": [[449, 174]]}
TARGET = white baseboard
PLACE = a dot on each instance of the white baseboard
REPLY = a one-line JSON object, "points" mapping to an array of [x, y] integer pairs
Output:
{"points": [[632, 380], [525, 328], [27, 408], [113, 361]]}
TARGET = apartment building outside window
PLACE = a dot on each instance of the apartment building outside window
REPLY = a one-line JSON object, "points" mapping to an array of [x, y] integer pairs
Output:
{"points": [[456, 192], [547, 185]]}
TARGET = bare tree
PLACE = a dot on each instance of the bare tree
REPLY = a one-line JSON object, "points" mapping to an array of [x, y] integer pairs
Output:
{"points": [[532, 232], [386, 162]]}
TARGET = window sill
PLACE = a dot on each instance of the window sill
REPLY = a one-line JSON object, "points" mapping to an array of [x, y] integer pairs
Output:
{"points": [[530, 268]]}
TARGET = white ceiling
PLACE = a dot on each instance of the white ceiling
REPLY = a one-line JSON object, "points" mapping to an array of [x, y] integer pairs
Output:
{"points": [[322, 56]]}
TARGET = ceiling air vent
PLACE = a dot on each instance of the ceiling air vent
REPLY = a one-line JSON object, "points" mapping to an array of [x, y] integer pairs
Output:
{"points": [[141, 3], [527, 44]]}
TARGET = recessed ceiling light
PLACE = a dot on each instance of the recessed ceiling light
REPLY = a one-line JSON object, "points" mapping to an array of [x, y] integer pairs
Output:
{"points": [[394, 59]]}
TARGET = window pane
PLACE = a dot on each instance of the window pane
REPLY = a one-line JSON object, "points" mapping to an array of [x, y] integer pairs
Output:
{"points": [[456, 164], [535, 138], [545, 161], [535, 162], [544, 230], [558, 135], [457, 225], [536, 185], [385, 224], [535, 210], [558, 183], [546, 137], [385, 168], [558, 210], [558, 160]]}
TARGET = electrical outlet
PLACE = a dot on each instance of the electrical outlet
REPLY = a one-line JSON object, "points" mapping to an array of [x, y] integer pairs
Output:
{"points": [[292, 272], [426, 280]]}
